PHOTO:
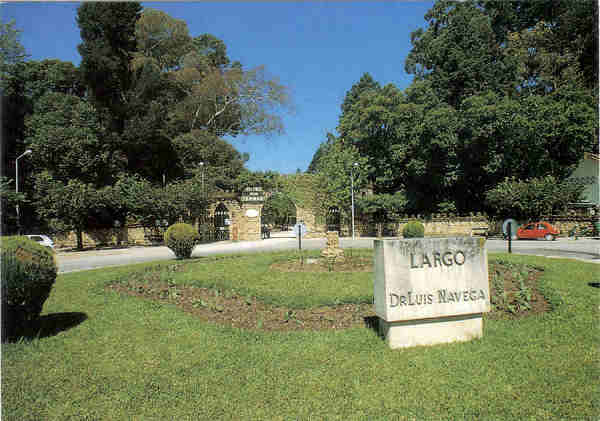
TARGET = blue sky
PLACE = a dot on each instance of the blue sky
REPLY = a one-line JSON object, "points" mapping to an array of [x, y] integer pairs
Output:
{"points": [[319, 49]]}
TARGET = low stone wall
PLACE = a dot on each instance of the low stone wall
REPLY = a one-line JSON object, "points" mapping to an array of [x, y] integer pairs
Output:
{"points": [[127, 236], [435, 227], [566, 223], [453, 227]]}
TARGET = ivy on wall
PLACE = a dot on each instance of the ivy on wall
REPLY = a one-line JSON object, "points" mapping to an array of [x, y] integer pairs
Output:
{"points": [[303, 190]]}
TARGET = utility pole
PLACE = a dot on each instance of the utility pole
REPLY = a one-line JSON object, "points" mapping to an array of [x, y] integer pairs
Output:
{"points": [[352, 193], [202, 168], [27, 152]]}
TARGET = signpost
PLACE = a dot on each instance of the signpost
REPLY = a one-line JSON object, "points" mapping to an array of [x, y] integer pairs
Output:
{"points": [[509, 228], [510, 237], [299, 231]]}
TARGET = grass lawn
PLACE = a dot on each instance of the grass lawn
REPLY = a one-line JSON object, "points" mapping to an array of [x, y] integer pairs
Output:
{"points": [[126, 358]]}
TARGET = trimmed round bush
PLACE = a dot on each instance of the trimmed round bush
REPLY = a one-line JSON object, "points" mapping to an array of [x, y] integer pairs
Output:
{"points": [[28, 274], [413, 229], [181, 239]]}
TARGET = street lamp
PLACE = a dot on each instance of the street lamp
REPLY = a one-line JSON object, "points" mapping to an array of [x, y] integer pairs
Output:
{"points": [[352, 188], [27, 152], [202, 169]]}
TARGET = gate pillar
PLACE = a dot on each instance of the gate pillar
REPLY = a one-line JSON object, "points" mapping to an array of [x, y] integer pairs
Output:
{"points": [[252, 201]]}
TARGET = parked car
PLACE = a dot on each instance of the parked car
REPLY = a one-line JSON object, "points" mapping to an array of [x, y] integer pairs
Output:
{"points": [[537, 230], [42, 239]]}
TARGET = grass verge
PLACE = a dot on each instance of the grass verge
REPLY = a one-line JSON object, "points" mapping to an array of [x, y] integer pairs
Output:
{"points": [[132, 359]]}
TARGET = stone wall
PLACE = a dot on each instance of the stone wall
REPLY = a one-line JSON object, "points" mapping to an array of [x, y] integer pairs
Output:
{"points": [[450, 227], [110, 237], [566, 223], [315, 229], [438, 226]]}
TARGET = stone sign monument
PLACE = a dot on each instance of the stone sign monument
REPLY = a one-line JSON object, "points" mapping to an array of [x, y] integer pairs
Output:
{"points": [[430, 291], [332, 248]]}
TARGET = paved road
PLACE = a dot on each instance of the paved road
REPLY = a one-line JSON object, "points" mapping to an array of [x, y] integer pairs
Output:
{"points": [[583, 249]]}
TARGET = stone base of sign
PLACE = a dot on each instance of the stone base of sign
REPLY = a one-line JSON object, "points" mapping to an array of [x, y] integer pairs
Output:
{"points": [[426, 332]]}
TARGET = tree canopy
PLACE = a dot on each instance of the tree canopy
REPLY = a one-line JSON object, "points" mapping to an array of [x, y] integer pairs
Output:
{"points": [[147, 104], [500, 89]]}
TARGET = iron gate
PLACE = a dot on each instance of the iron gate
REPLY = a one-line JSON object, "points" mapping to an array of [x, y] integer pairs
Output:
{"points": [[222, 223], [333, 219], [216, 227]]}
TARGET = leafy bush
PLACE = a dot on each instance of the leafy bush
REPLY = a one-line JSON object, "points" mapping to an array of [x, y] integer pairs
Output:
{"points": [[390, 205], [28, 273], [181, 239], [534, 198], [413, 229]]}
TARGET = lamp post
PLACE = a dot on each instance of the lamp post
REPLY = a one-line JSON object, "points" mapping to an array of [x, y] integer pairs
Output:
{"points": [[202, 169], [27, 152], [352, 193]]}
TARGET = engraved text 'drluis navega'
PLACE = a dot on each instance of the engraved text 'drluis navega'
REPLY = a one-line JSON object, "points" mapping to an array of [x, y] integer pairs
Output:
{"points": [[442, 296]]}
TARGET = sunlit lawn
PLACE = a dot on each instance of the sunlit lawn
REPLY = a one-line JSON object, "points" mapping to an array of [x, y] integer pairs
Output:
{"points": [[133, 359]]}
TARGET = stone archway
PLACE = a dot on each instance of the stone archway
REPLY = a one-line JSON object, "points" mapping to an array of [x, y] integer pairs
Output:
{"points": [[279, 215], [245, 214]]}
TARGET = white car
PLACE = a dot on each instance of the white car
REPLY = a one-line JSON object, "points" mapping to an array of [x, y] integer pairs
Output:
{"points": [[44, 240]]}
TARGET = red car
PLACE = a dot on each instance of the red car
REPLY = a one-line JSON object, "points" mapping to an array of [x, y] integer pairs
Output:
{"points": [[537, 230]]}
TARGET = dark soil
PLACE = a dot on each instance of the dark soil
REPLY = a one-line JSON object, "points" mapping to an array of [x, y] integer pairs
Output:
{"points": [[227, 308], [508, 278]]}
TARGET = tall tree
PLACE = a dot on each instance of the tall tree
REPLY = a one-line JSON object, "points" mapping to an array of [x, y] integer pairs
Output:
{"points": [[69, 205], [221, 162], [107, 48], [365, 84], [11, 50], [499, 91], [10, 199], [460, 53], [370, 124], [315, 163], [12, 110], [166, 83], [572, 25], [64, 134], [231, 101], [108, 43], [161, 40], [340, 167]]}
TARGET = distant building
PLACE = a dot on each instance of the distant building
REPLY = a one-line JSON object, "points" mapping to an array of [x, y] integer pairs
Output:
{"points": [[589, 168]]}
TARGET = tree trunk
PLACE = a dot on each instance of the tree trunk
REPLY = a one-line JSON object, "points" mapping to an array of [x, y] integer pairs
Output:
{"points": [[79, 239]]}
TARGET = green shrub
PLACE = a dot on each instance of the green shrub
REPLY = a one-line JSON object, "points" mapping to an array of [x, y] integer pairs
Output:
{"points": [[413, 229], [181, 239], [28, 273]]}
